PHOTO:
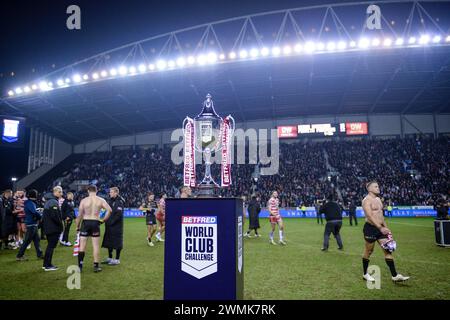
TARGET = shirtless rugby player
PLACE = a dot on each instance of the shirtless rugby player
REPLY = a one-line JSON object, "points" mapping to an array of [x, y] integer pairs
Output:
{"points": [[375, 229], [89, 219]]}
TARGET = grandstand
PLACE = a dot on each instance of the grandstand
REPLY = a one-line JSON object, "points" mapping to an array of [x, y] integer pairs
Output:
{"points": [[345, 103]]}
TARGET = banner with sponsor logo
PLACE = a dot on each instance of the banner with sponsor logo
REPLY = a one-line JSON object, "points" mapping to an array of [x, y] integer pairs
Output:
{"points": [[189, 153], [199, 245], [226, 154]]}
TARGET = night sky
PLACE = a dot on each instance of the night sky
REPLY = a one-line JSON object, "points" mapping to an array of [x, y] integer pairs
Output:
{"points": [[35, 40]]}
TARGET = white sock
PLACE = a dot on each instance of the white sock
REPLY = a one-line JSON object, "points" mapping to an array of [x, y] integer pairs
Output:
{"points": [[271, 235], [281, 235], [158, 235]]}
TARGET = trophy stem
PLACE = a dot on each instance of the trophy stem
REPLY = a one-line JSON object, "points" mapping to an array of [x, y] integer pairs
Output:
{"points": [[206, 187]]}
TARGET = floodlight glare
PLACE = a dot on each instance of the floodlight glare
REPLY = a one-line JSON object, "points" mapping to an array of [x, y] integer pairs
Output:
{"points": [[18, 90], [60, 82], [276, 51], [161, 64], [181, 62], [265, 51], [95, 76], [287, 50], [191, 60], [436, 39], [10, 93], [412, 40], [232, 55], [399, 41], [331, 46], [142, 68], [123, 70], [254, 53], [387, 42], [298, 48], [212, 57], [76, 78], [113, 72], [341, 45], [243, 54], [103, 73]]}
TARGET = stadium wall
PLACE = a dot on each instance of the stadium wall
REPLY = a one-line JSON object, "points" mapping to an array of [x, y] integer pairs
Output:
{"points": [[379, 125]]}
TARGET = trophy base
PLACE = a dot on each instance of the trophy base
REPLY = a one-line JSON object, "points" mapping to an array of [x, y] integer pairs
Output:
{"points": [[206, 191]]}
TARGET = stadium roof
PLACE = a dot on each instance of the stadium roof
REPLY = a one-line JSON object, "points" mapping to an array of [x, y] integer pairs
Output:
{"points": [[287, 63]]}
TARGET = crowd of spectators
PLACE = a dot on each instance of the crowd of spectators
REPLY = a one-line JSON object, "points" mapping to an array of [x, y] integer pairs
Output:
{"points": [[411, 171]]}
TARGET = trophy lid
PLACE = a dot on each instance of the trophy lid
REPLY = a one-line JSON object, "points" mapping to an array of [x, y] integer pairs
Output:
{"points": [[208, 109]]}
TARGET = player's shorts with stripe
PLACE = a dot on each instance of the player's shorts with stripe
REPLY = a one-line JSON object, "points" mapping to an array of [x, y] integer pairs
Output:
{"points": [[372, 233], [275, 218], [90, 228], [150, 219], [161, 217]]}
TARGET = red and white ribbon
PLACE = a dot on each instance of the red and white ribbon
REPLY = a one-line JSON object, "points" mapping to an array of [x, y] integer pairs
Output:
{"points": [[226, 154], [189, 153]]}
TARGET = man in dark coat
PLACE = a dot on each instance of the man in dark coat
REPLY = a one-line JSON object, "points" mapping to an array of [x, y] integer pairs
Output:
{"points": [[68, 215], [352, 213], [9, 225], [254, 208], [333, 215], [53, 226], [113, 238]]}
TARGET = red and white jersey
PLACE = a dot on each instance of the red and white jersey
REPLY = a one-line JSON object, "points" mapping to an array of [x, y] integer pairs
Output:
{"points": [[19, 205], [273, 205], [162, 206]]}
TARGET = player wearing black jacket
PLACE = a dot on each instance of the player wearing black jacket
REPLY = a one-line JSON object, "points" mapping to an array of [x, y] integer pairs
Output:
{"points": [[113, 238], [53, 226], [68, 215]]}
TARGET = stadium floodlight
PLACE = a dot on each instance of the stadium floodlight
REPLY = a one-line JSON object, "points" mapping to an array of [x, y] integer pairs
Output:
{"points": [[67, 80], [132, 69], [309, 47], [342, 45], [85, 77], [181, 62], [26, 89], [399, 41], [95, 76], [60, 82], [10, 93], [201, 59], [447, 39], [243, 54], [331, 46], [123, 70], [161, 64], [34, 87], [13, 179], [376, 42], [171, 64], [151, 67], [191, 60], [265, 52], [221, 56], [363, 43], [424, 39], [287, 50], [113, 72], [436, 39], [387, 42], [232, 55], [18, 90], [412, 40], [104, 73], [320, 46], [254, 53], [276, 51], [352, 44], [76, 78], [142, 68], [298, 48], [212, 57]]}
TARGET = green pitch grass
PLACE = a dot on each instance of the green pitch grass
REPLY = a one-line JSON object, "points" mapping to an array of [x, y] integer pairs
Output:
{"points": [[297, 271]]}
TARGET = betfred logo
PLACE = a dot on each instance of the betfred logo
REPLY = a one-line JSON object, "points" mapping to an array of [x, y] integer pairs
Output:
{"points": [[199, 245], [287, 131]]}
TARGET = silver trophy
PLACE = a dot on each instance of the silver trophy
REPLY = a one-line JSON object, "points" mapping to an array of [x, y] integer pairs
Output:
{"points": [[208, 137]]}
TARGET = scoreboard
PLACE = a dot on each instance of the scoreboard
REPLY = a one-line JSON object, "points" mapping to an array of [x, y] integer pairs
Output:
{"points": [[13, 131], [323, 129]]}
